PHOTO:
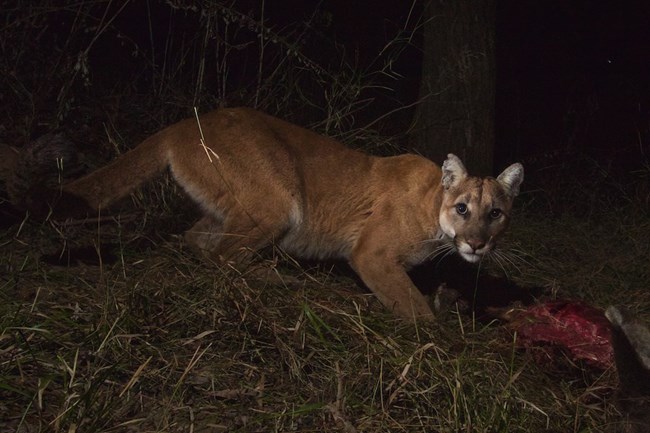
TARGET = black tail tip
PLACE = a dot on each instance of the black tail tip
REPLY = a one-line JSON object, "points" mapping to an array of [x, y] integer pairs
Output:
{"points": [[56, 204]]}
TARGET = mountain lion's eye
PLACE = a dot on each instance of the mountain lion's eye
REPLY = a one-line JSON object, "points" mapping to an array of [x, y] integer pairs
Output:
{"points": [[461, 208], [495, 213]]}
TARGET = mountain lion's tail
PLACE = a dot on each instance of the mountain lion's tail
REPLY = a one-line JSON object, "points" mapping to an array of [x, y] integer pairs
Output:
{"points": [[108, 184], [37, 167], [29, 189]]}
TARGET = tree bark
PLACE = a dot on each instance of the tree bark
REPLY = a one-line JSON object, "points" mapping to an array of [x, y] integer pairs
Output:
{"points": [[457, 91]]}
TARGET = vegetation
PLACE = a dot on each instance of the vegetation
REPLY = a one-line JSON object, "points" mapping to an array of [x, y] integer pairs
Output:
{"points": [[155, 340]]}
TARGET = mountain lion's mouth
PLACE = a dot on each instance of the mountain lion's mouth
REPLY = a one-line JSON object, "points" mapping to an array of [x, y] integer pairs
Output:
{"points": [[471, 257]]}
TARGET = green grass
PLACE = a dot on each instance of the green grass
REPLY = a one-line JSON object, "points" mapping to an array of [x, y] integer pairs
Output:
{"points": [[161, 342]]}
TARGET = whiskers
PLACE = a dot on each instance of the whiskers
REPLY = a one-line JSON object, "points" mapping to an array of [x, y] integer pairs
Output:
{"points": [[443, 248], [508, 259]]}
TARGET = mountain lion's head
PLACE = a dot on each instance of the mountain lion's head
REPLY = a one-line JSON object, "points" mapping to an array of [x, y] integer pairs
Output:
{"points": [[475, 210]]}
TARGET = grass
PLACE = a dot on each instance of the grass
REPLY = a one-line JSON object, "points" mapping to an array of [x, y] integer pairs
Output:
{"points": [[158, 341]]}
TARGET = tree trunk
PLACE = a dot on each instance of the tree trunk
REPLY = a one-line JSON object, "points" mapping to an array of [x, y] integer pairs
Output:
{"points": [[456, 113]]}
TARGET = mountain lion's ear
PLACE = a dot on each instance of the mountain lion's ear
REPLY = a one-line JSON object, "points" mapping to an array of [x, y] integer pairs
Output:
{"points": [[511, 178], [453, 171]]}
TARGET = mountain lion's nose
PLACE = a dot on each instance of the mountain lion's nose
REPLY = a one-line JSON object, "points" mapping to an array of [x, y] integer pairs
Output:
{"points": [[475, 244]]}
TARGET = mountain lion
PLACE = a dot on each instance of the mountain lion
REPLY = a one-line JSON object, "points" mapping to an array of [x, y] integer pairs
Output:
{"points": [[262, 181]]}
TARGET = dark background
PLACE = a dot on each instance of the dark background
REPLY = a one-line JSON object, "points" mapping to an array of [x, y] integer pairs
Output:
{"points": [[572, 76]]}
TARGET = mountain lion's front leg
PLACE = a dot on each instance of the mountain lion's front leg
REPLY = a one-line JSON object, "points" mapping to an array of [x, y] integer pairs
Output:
{"points": [[389, 281]]}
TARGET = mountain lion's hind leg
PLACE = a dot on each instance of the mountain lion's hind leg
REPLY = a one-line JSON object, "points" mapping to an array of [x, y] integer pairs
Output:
{"points": [[233, 242], [204, 236]]}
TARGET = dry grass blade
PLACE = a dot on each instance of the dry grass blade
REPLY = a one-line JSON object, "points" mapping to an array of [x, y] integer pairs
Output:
{"points": [[135, 377]]}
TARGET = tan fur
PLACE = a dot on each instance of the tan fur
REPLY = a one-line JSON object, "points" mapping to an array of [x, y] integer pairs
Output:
{"points": [[260, 180]]}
